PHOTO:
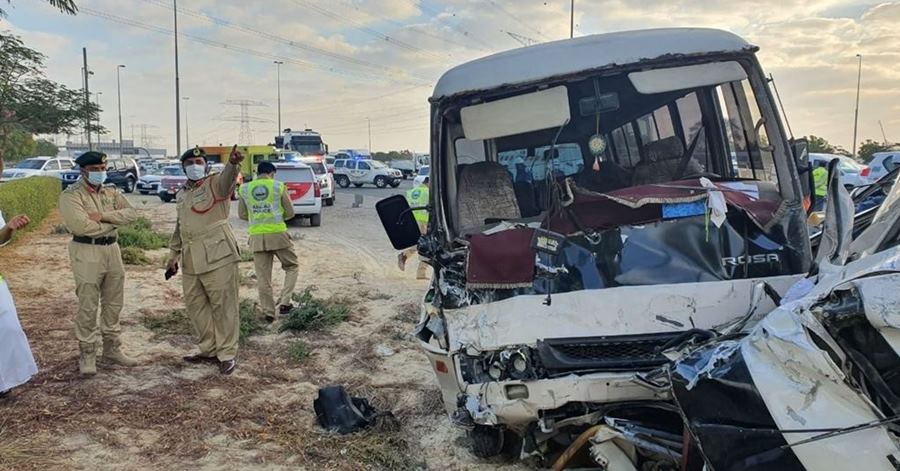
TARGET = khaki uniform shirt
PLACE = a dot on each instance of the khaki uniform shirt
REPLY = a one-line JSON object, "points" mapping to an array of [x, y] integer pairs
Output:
{"points": [[202, 234], [270, 242], [80, 200]]}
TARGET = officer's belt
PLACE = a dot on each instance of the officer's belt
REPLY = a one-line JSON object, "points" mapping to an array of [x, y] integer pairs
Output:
{"points": [[97, 241], [206, 230]]}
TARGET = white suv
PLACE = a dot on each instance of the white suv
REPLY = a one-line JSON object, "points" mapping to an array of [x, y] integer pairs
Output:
{"points": [[304, 189], [326, 179], [881, 164], [38, 166], [360, 172]]}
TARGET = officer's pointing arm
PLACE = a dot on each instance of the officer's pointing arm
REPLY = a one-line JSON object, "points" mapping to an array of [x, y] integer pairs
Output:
{"points": [[227, 180], [76, 219], [123, 214]]}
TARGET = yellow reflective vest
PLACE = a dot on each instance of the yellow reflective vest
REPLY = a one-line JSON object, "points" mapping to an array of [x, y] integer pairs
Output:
{"points": [[820, 178], [416, 197], [263, 200]]}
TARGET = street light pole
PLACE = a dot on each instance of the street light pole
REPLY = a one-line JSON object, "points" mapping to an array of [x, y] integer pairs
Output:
{"points": [[572, 20], [187, 131], [177, 85], [369, 124], [278, 73], [856, 114], [87, 100], [119, 93], [99, 136]]}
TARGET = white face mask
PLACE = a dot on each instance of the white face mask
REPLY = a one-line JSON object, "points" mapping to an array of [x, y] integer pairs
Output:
{"points": [[96, 178], [195, 172]]}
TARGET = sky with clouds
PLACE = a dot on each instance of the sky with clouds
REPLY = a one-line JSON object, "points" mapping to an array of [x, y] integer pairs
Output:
{"points": [[351, 64]]}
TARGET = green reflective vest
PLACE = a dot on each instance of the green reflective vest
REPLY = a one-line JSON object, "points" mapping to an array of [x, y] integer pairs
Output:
{"points": [[418, 196], [263, 200], [820, 177]]}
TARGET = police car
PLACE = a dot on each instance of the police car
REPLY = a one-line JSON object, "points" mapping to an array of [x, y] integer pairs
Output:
{"points": [[303, 188]]}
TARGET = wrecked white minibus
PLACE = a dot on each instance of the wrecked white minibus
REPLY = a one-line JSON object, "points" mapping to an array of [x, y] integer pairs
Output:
{"points": [[594, 202]]}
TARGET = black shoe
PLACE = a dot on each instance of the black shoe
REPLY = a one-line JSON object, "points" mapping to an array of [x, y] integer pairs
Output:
{"points": [[227, 367], [285, 309], [199, 358]]}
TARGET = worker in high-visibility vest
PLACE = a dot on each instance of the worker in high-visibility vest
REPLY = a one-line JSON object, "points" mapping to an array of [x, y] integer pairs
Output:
{"points": [[265, 203], [820, 182], [417, 197]]}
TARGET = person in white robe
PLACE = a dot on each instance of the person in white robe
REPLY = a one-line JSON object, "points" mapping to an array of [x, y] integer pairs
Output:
{"points": [[16, 361]]}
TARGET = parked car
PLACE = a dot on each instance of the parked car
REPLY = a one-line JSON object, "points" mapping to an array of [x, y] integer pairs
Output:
{"points": [[361, 172], [557, 287], [38, 166], [851, 170], [124, 173], [172, 179], [304, 189], [881, 164], [326, 178], [149, 182], [423, 174]]}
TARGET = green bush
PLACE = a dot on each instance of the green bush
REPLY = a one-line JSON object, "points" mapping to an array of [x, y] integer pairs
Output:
{"points": [[35, 197], [140, 234], [250, 324], [175, 322], [299, 351], [134, 256], [314, 313]]}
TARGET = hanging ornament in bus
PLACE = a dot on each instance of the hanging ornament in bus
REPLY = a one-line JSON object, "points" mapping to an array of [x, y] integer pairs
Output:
{"points": [[597, 144]]}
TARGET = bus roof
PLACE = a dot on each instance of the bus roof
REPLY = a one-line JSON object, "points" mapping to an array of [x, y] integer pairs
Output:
{"points": [[559, 58]]}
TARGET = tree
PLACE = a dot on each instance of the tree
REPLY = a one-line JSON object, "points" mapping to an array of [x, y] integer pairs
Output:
{"points": [[45, 147], [65, 6], [870, 147], [33, 104]]}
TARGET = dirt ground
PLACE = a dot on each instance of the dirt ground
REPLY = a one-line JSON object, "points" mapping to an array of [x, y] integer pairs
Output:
{"points": [[166, 414]]}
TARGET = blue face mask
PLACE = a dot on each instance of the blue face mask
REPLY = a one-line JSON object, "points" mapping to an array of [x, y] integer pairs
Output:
{"points": [[96, 178]]}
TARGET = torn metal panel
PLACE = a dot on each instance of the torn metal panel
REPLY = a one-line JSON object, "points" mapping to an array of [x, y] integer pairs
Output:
{"points": [[523, 320], [804, 389]]}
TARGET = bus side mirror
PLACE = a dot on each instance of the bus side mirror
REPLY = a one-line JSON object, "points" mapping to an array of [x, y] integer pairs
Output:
{"points": [[800, 151], [398, 221]]}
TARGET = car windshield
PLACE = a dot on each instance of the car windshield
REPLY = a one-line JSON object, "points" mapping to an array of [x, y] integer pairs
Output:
{"points": [[850, 166], [172, 171], [318, 167], [377, 164], [31, 164]]}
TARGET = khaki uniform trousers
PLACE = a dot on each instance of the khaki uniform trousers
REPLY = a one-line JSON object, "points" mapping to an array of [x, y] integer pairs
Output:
{"points": [[99, 282], [212, 302], [263, 263]]}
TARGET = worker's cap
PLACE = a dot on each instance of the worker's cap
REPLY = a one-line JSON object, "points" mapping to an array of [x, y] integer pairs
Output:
{"points": [[91, 158], [265, 167], [193, 153]]}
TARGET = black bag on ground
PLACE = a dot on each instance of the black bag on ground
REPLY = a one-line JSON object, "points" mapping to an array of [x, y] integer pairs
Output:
{"points": [[337, 412]]}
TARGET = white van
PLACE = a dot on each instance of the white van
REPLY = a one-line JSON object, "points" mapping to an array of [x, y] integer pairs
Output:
{"points": [[304, 189]]}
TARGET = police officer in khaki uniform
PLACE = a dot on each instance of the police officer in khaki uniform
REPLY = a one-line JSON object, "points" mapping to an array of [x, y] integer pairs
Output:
{"points": [[92, 212], [266, 204], [205, 246]]}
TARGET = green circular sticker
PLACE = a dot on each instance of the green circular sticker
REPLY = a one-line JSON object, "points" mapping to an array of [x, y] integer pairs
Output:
{"points": [[597, 144]]}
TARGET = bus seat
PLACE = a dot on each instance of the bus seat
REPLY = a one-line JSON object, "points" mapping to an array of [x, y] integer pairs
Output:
{"points": [[485, 191]]}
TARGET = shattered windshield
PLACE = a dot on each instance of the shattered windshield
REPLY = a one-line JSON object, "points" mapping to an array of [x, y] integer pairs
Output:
{"points": [[623, 176]]}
